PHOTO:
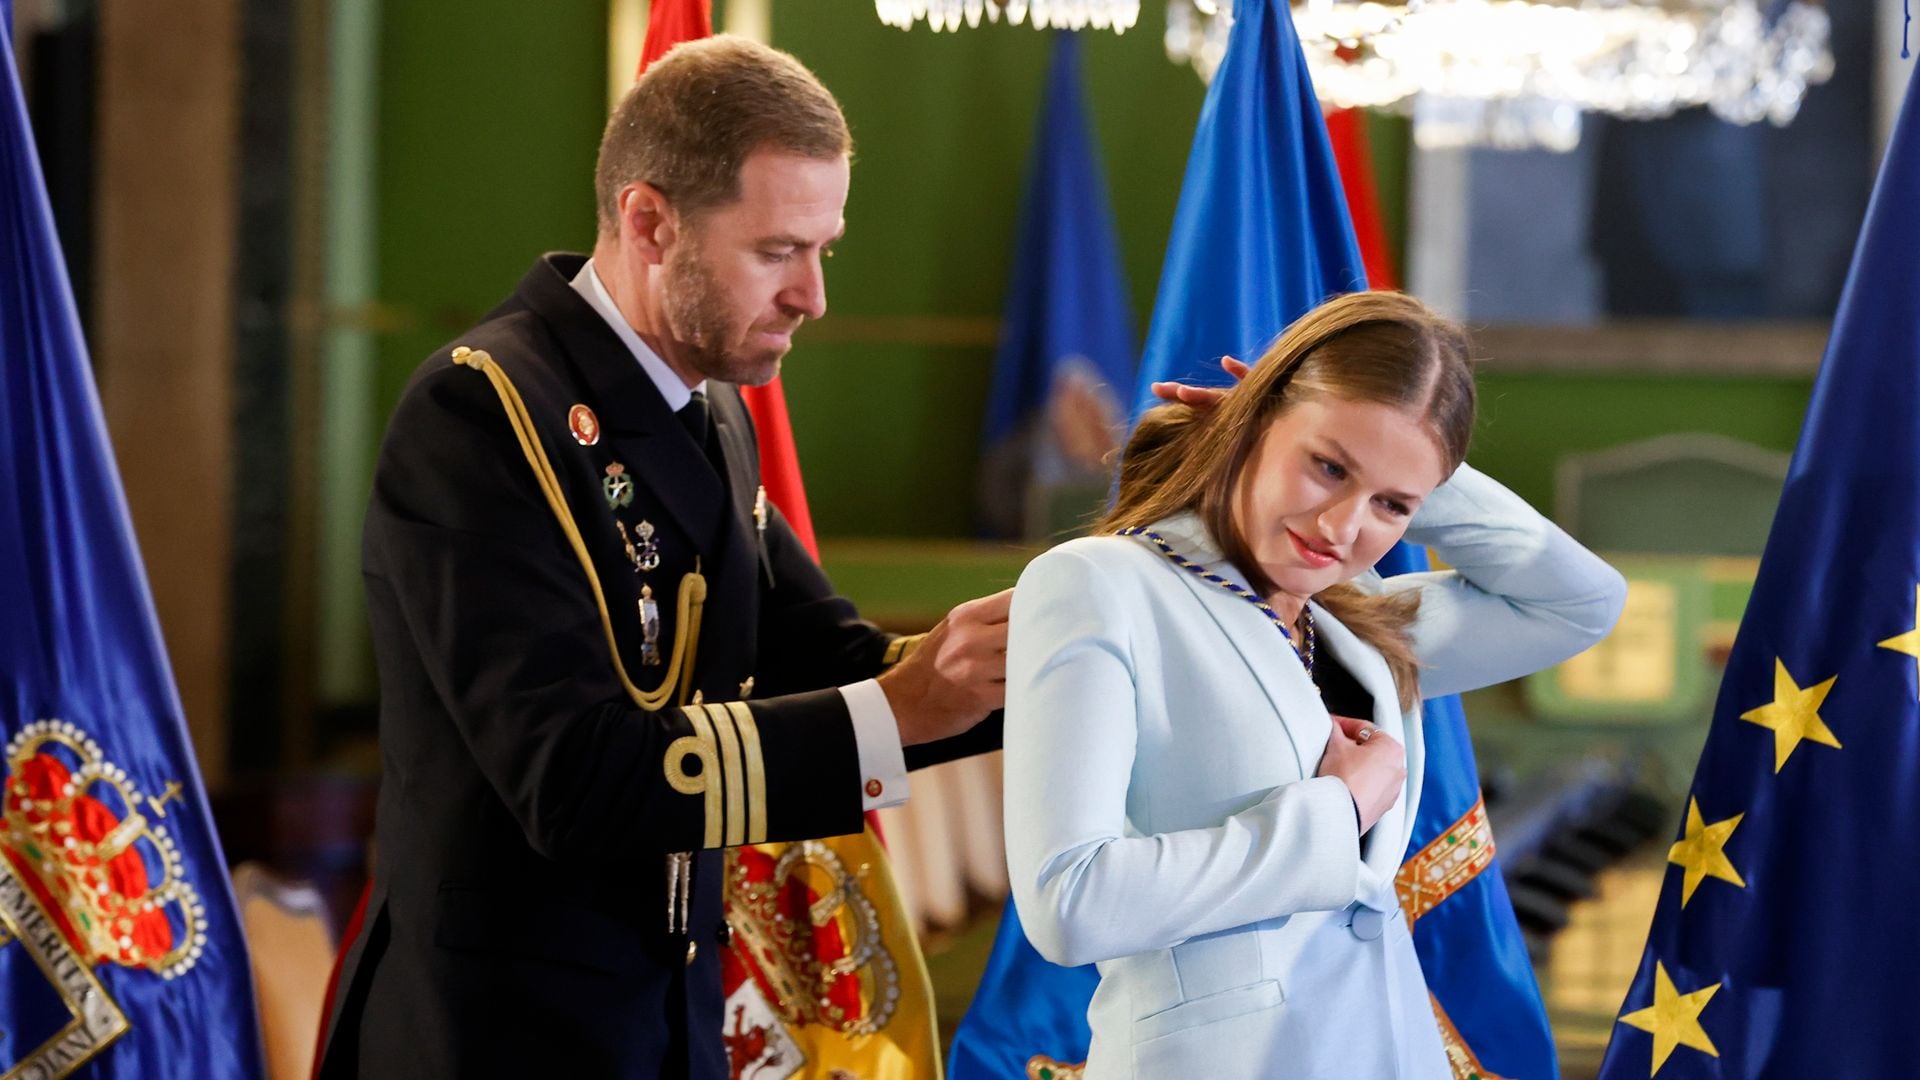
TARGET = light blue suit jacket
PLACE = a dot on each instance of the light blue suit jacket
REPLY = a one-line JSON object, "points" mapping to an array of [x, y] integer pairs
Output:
{"points": [[1163, 818]]}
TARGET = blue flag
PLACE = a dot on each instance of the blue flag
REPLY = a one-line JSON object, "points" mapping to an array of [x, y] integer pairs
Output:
{"points": [[1262, 235], [120, 948], [1066, 357], [1058, 406], [1783, 943]]}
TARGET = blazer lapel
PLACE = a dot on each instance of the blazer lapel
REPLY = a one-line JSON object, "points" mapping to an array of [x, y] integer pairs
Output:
{"points": [[1386, 843], [1274, 664]]}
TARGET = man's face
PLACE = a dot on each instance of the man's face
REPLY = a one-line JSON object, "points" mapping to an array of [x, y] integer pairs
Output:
{"points": [[742, 277]]}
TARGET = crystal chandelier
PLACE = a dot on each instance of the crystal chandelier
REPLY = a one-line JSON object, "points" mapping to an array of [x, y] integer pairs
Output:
{"points": [[1518, 73], [1116, 15]]}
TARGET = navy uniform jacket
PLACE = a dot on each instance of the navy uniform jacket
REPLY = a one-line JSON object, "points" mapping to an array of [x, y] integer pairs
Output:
{"points": [[518, 920]]}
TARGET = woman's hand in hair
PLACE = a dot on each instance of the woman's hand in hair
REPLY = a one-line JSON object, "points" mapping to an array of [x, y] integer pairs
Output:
{"points": [[1370, 762], [1201, 397]]}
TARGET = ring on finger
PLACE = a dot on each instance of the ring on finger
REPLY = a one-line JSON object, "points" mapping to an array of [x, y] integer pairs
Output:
{"points": [[1365, 733]]}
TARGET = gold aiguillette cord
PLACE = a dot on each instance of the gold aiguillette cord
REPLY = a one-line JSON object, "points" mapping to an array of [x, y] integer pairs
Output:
{"points": [[693, 587]]}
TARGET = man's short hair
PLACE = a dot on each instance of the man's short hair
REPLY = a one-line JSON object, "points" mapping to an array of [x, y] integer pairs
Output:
{"points": [[691, 121]]}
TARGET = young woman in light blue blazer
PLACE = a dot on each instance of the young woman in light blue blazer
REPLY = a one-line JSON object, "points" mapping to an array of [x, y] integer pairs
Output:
{"points": [[1213, 748]]}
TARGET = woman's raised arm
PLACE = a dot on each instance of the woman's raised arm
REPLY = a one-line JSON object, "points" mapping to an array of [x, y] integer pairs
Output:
{"points": [[1520, 594]]}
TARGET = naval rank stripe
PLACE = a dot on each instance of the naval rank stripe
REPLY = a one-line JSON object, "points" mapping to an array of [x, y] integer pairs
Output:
{"points": [[900, 648], [703, 745], [1445, 865], [734, 772], [756, 771]]}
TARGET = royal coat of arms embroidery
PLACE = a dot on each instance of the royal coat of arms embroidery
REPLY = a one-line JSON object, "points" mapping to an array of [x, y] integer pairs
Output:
{"points": [[90, 876]]}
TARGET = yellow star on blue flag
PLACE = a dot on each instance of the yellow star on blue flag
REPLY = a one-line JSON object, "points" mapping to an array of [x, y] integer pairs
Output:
{"points": [[1673, 1019]]}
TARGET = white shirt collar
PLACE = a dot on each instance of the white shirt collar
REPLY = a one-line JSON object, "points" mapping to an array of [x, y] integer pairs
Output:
{"points": [[588, 284]]}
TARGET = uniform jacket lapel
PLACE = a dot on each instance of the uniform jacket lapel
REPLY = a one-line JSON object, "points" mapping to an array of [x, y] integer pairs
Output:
{"points": [[739, 547], [645, 434]]}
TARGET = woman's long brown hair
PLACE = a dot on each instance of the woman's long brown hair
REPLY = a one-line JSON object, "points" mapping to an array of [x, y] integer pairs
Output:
{"points": [[1382, 347]]}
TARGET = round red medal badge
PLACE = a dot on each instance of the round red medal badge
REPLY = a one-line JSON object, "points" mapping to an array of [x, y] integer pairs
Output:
{"points": [[585, 425]]}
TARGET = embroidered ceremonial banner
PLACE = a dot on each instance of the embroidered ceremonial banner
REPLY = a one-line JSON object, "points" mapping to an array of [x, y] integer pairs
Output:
{"points": [[1445, 865], [850, 991], [1064, 368], [120, 946], [1783, 942]]}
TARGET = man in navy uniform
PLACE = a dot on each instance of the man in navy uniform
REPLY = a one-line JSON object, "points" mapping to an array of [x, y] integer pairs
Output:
{"points": [[603, 656]]}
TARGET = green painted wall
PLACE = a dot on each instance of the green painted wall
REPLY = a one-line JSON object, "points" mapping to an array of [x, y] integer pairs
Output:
{"points": [[490, 113], [1528, 422], [944, 125]]}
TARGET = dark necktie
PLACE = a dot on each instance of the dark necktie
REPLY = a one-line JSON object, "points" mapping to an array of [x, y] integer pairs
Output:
{"points": [[694, 415], [699, 424]]}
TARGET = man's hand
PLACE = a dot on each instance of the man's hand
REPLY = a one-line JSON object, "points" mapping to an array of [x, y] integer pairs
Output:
{"points": [[1370, 762], [956, 676], [1200, 397]]}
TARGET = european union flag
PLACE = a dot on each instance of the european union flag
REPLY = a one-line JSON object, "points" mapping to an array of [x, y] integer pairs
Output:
{"points": [[1261, 236], [1783, 944], [1064, 366], [1066, 358], [120, 948]]}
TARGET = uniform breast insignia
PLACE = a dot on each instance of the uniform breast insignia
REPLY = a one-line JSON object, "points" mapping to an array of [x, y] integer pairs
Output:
{"points": [[86, 879], [760, 516], [618, 487], [649, 628], [642, 549], [584, 425]]}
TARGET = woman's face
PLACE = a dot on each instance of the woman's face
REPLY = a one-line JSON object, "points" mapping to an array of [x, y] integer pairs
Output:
{"points": [[1330, 487]]}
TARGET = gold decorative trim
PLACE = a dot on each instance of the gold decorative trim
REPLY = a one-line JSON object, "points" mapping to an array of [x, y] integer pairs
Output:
{"points": [[1446, 864], [756, 771], [900, 648], [1042, 1067], [733, 769], [1460, 1056], [97, 1019], [713, 775]]}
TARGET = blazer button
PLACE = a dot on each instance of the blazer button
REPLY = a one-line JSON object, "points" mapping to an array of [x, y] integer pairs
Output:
{"points": [[693, 947], [1367, 924], [724, 935]]}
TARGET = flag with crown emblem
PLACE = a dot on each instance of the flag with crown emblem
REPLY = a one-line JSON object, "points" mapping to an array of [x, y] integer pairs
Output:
{"points": [[1782, 944], [120, 946]]}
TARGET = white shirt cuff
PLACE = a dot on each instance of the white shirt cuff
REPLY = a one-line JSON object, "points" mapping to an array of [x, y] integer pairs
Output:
{"points": [[883, 764]]}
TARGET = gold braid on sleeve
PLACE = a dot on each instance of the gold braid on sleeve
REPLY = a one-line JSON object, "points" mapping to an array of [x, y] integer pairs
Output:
{"points": [[900, 648]]}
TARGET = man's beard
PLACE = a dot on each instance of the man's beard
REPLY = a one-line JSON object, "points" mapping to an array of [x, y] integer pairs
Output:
{"points": [[701, 321]]}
